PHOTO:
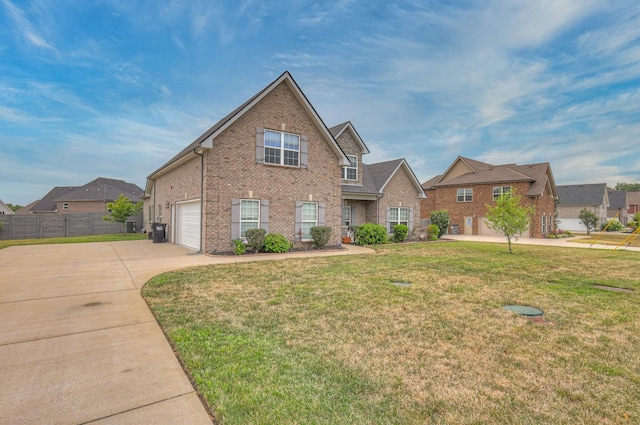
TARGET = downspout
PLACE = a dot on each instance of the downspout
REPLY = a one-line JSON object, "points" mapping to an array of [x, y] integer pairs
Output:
{"points": [[201, 192]]}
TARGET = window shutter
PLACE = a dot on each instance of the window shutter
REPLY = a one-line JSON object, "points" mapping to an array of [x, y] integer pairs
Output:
{"points": [[298, 228], [264, 215], [410, 220], [304, 152], [388, 220], [235, 219], [321, 214], [260, 145]]}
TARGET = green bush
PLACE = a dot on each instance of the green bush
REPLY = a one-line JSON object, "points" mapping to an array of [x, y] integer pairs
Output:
{"points": [[255, 238], [612, 225], [441, 219], [238, 247], [432, 232], [371, 234], [275, 242], [400, 232], [320, 235]]}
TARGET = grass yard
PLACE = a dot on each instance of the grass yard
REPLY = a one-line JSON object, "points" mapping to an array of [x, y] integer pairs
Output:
{"points": [[74, 239], [331, 341], [609, 239]]}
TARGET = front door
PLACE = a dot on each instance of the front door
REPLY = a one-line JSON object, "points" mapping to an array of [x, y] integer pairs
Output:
{"points": [[468, 225]]}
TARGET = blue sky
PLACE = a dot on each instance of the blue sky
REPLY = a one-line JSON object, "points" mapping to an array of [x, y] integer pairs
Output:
{"points": [[115, 88]]}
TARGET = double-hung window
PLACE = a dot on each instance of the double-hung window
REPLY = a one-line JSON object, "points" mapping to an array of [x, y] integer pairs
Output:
{"points": [[498, 191], [281, 148], [465, 195], [309, 218], [249, 215], [351, 172], [398, 215]]}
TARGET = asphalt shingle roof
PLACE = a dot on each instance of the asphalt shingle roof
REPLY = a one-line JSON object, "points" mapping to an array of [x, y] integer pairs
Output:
{"points": [[581, 194]]}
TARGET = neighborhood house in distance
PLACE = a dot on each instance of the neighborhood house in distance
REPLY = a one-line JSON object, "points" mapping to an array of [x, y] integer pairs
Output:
{"points": [[273, 164], [467, 186], [92, 197]]}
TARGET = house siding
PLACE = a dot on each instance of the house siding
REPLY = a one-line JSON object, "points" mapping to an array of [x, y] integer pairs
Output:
{"points": [[231, 172]]}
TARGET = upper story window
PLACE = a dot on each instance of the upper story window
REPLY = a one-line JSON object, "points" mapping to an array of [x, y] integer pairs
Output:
{"points": [[281, 148], [465, 195], [351, 172], [65, 206], [498, 191]]}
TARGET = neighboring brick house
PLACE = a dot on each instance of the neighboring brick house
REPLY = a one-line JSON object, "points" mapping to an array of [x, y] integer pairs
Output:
{"points": [[92, 197], [385, 193], [618, 205], [271, 163], [467, 186], [573, 198], [634, 203]]}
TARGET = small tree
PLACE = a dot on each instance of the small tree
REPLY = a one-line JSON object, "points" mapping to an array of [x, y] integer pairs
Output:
{"points": [[509, 217], [441, 219], [121, 209], [588, 219]]}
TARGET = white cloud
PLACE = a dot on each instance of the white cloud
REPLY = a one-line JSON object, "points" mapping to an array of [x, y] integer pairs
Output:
{"points": [[25, 29]]}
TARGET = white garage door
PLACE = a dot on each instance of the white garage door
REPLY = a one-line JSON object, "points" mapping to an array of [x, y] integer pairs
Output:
{"points": [[189, 224], [572, 224], [485, 231]]}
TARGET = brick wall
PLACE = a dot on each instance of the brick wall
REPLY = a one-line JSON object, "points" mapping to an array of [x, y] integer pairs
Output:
{"points": [[232, 172], [400, 192], [350, 146]]}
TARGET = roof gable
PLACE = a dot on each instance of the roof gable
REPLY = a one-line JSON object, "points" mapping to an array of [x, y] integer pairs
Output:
{"points": [[466, 171], [375, 177], [339, 129], [618, 199], [207, 138]]}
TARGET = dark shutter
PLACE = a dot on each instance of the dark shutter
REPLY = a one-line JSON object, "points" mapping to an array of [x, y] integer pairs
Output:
{"points": [[264, 215], [235, 218], [410, 220], [298, 224], [260, 145], [388, 220], [321, 214], [304, 152]]}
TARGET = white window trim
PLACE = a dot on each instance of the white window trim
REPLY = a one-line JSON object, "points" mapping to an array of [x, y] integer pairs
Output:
{"points": [[313, 222], [348, 207], [502, 191], [257, 221], [345, 170], [465, 192], [399, 221], [65, 206], [282, 148]]}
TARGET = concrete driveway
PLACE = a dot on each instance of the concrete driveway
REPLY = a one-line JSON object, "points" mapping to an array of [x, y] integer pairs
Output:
{"points": [[78, 343]]}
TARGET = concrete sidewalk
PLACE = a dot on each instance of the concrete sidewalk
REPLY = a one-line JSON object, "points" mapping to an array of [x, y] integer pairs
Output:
{"points": [[563, 242], [78, 343]]}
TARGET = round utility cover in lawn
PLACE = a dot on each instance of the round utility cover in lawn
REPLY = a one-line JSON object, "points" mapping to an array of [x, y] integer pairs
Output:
{"points": [[524, 310]]}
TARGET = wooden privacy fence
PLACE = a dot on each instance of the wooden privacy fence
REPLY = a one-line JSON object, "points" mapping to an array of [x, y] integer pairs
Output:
{"points": [[36, 226]]}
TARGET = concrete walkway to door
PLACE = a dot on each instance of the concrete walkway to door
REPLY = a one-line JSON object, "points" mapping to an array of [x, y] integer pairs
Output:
{"points": [[78, 344]]}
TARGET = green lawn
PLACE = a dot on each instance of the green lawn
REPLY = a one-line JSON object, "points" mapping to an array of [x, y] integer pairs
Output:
{"points": [[331, 341], [76, 239], [626, 239]]}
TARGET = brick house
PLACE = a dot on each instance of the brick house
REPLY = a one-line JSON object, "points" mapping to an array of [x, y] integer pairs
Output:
{"points": [[634, 203], [91, 197], [618, 206], [385, 193], [574, 197], [467, 186], [271, 163]]}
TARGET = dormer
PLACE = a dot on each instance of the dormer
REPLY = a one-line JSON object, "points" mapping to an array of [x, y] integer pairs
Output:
{"points": [[353, 146]]}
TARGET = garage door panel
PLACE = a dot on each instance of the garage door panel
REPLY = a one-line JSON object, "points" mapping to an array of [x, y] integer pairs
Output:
{"points": [[485, 231], [189, 224]]}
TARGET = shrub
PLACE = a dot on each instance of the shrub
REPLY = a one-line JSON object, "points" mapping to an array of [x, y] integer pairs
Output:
{"points": [[612, 225], [320, 235], [400, 232], [275, 242], [432, 232], [441, 219], [371, 234], [238, 247], [255, 238]]}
